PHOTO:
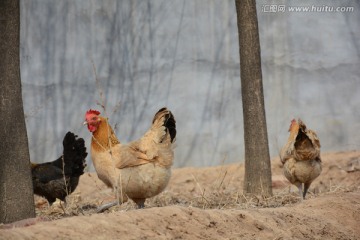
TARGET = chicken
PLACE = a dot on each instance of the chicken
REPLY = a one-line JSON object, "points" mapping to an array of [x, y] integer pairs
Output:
{"points": [[59, 178], [301, 157], [142, 168]]}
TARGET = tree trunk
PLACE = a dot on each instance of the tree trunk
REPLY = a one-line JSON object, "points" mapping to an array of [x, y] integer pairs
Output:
{"points": [[257, 159], [16, 190]]}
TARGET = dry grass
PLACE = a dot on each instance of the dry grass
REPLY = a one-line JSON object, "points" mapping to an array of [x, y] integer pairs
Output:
{"points": [[213, 197], [208, 200], [212, 188], [74, 206]]}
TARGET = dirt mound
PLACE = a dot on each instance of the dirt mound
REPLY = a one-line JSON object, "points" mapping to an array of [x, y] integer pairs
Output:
{"points": [[207, 203]]}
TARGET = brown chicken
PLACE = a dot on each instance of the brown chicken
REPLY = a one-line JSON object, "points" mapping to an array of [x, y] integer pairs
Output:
{"points": [[301, 157], [142, 167]]}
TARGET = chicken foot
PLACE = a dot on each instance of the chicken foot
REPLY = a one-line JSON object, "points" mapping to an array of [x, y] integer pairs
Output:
{"points": [[106, 206], [139, 202]]}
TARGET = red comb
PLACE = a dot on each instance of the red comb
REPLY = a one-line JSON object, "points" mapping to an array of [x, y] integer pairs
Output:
{"points": [[93, 112]]}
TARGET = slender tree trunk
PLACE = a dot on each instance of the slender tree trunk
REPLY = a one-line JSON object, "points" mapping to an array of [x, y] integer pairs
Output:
{"points": [[16, 190], [257, 159]]}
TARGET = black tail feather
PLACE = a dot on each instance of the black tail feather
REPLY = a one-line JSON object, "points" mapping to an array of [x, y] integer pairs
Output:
{"points": [[169, 123], [74, 155]]}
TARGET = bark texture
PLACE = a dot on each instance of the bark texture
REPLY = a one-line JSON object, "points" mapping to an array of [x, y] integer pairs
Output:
{"points": [[257, 158], [16, 191]]}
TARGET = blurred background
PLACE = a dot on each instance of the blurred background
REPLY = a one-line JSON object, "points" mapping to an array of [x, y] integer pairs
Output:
{"points": [[185, 55]]}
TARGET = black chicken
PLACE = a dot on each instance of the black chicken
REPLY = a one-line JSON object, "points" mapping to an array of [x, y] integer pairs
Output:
{"points": [[59, 178]]}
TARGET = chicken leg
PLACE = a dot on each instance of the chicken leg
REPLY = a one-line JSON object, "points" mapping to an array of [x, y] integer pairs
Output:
{"points": [[140, 202], [299, 185]]}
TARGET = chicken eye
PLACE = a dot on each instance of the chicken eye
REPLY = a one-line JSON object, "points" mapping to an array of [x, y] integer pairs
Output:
{"points": [[94, 118]]}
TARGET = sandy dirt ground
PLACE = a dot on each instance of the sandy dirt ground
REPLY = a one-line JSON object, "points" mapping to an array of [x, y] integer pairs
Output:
{"points": [[208, 203]]}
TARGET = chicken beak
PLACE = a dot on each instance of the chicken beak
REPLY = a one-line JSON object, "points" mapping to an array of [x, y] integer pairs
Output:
{"points": [[85, 123]]}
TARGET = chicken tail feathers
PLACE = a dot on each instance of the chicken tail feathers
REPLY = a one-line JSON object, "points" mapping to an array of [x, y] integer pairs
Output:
{"points": [[74, 155], [167, 120]]}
